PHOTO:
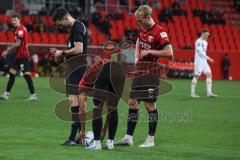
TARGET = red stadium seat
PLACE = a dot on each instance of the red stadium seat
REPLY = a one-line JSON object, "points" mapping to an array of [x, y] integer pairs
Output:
{"points": [[113, 34], [53, 38], [3, 37], [36, 37], [26, 20], [44, 38], [62, 39], [44, 19], [2, 18], [50, 21], [10, 37]]}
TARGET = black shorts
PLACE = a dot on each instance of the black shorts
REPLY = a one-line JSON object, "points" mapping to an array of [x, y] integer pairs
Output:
{"points": [[145, 88], [21, 64], [109, 85], [73, 79]]}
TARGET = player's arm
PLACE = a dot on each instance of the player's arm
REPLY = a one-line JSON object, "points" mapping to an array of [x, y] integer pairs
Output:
{"points": [[77, 49], [200, 52], [12, 48], [137, 50], [167, 51], [78, 34]]}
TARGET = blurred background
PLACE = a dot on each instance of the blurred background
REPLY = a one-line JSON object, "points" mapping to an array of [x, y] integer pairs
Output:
{"points": [[113, 21]]}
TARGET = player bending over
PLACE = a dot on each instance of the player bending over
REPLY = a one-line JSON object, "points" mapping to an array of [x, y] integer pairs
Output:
{"points": [[107, 80]]}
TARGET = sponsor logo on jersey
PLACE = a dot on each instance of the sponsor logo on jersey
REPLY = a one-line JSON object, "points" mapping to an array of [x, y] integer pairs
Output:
{"points": [[144, 45], [150, 39]]}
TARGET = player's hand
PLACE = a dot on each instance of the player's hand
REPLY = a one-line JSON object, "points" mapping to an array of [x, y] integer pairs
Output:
{"points": [[55, 52], [211, 60], [144, 53], [4, 54], [81, 136]]}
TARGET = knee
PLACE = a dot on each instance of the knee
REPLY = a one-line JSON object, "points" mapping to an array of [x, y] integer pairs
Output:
{"points": [[83, 109], [73, 100], [209, 75], [98, 102], [26, 74], [12, 72], [150, 106], [196, 77], [133, 104], [113, 112]]}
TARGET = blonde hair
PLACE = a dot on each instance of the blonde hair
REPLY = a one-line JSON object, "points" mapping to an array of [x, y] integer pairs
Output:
{"points": [[143, 11]]}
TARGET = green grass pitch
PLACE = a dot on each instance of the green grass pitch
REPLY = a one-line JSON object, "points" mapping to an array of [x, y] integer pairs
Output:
{"points": [[189, 129]]}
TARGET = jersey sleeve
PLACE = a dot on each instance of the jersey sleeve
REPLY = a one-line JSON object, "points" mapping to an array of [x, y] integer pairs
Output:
{"points": [[78, 32], [163, 39], [199, 47]]}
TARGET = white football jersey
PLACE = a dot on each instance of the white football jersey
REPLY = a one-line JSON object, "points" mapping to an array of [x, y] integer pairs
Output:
{"points": [[200, 50]]}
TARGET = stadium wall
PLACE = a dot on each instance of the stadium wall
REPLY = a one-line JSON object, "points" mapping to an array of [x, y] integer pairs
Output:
{"points": [[216, 66]]}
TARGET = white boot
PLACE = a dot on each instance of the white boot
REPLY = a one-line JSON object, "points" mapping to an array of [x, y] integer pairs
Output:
{"points": [[194, 95], [149, 142], [110, 144], [33, 97], [211, 95], [5, 96], [127, 140], [95, 146]]}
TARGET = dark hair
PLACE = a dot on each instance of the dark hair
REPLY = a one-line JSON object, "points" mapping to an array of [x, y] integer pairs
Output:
{"points": [[16, 15], [59, 14], [204, 31]]}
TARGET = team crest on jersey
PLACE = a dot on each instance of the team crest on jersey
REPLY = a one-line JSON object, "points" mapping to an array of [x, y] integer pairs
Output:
{"points": [[163, 35], [20, 32], [150, 39]]}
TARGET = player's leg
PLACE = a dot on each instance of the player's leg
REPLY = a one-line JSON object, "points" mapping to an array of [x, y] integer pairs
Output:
{"points": [[27, 77], [133, 114], [72, 81], [33, 96], [112, 115], [197, 72], [209, 82], [14, 67], [97, 123], [153, 120], [75, 125], [83, 112], [112, 125], [193, 86], [10, 83], [112, 104]]}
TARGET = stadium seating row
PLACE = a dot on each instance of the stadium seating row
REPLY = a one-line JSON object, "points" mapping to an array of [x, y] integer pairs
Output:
{"points": [[182, 30]]}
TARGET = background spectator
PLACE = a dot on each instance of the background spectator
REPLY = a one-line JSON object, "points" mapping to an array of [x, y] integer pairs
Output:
{"points": [[225, 66]]}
